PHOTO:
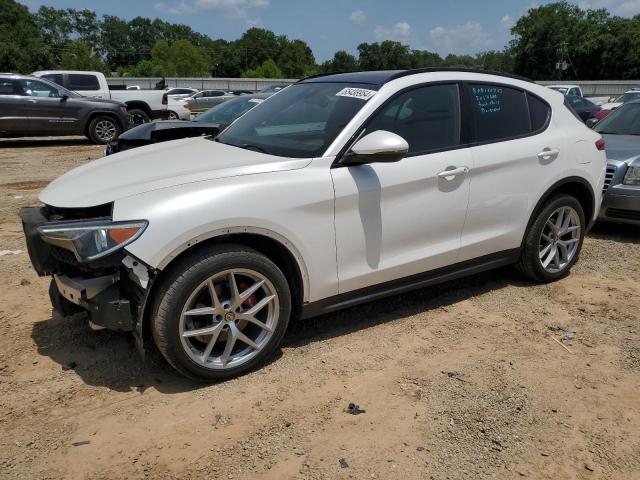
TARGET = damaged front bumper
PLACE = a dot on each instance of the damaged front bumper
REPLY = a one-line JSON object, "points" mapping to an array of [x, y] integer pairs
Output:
{"points": [[112, 289]]}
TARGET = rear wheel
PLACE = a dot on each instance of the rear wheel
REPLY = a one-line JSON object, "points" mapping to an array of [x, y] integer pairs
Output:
{"points": [[221, 312], [173, 116], [103, 129], [138, 117], [554, 240]]}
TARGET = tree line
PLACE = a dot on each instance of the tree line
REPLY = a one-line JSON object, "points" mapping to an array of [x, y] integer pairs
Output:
{"points": [[554, 41]]}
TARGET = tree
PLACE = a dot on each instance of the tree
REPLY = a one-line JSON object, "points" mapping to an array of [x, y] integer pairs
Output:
{"points": [[388, 55], [425, 58], [78, 55], [295, 57], [21, 43], [256, 46], [341, 62], [268, 69]]}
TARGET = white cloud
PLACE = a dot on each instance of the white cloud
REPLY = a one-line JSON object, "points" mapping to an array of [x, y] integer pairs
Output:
{"points": [[625, 8], [175, 9], [236, 7], [358, 17], [467, 38], [397, 31], [507, 22]]}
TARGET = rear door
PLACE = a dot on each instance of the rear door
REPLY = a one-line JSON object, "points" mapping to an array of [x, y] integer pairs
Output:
{"points": [[515, 154], [85, 84], [14, 107]]}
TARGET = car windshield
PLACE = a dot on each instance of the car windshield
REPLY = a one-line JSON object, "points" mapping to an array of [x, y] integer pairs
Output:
{"points": [[228, 111], [627, 97], [623, 121], [301, 121]]}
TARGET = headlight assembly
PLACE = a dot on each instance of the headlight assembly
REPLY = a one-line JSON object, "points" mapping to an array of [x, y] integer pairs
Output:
{"points": [[632, 177], [92, 240]]}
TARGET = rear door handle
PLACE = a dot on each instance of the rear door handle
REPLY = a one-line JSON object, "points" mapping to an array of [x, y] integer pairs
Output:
{"points": [[32, 100], [449, 175], [549, 154]]}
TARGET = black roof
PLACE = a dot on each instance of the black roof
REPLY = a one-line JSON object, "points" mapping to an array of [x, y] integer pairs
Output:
{"points": [[383, 76]]}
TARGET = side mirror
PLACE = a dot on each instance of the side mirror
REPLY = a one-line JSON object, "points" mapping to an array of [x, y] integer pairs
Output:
{"points": [[376, 147], [64, 97], [591, 122]]}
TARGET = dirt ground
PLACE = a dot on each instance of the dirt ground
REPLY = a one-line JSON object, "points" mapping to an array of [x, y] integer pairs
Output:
{"points": [[459, 381]]}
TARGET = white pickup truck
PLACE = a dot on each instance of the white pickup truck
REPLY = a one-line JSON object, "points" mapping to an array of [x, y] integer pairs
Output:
{"points": [[142, 105]]}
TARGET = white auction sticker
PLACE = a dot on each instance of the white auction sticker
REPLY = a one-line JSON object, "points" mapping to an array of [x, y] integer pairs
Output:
{"points": [[256, 100], [361, 93]]}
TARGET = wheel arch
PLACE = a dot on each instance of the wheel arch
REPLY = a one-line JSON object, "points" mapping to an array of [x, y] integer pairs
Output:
{"points": [[100, 113], [269, 243], [577, 187], [140, 105]]}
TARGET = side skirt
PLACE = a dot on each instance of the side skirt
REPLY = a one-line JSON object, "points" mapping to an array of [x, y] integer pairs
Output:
{"points": [[406, 284]]}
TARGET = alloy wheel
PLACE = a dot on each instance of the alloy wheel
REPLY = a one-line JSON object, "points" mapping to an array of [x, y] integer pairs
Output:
{"points": [[105, 130], [229, 318], [559, 239]]}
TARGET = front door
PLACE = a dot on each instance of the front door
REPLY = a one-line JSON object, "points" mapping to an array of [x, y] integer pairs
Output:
{"points": [[14, 116], [398, 219], [48, 112]]}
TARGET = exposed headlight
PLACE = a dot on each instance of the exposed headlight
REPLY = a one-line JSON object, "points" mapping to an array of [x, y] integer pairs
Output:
{"points": [[632, 177], [92, 240]]}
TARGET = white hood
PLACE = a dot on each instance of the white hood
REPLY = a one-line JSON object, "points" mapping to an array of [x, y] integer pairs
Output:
{"points": [[158, 166], [610, 105]]}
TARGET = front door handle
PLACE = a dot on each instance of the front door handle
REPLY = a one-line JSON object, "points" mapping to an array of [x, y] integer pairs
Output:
{"points": [[549, 154], [449, 175], [32, 100]]}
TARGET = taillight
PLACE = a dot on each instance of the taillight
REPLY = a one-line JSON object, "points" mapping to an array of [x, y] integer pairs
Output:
{"points": [[187, 106], [165, 100], [600, 144]]}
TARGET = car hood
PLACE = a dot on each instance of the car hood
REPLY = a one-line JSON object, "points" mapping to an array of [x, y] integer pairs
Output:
{"points": [[158, 166], [145, 131], [610, 105], [623, 148]]}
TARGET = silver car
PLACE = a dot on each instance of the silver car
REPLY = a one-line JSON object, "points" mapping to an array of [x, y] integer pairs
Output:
{"points": [[621, 133]]}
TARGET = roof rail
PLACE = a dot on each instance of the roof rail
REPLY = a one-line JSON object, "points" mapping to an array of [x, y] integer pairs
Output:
{"points": [[456, 69]]}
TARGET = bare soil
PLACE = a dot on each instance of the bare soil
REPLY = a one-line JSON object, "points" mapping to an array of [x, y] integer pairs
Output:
{"points": [[460, 381]]}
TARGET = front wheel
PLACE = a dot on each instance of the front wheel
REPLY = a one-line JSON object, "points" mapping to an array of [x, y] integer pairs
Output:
{"points": [[221, 312], [104, 129], [554, 240], [138, 117]]}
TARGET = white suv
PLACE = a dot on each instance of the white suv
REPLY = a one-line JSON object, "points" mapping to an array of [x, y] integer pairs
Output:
{"points": [[338, 190]]}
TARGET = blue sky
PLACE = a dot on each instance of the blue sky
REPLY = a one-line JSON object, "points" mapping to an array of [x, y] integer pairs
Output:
{"points": [[456, 26]]}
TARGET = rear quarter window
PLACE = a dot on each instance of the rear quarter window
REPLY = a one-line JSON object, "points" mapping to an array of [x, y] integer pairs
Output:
{"points": [[539, 112]]}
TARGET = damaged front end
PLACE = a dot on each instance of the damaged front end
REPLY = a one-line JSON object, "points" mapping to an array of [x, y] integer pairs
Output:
{"points": [[83, 250]]}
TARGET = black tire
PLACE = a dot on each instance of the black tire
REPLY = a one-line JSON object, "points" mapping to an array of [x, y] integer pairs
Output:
{"points": [[103, 129], [138, 117], [184, 278], [529, 263], [172, 115]]}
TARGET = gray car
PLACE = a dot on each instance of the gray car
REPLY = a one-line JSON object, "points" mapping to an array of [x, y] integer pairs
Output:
{"points": [[621, 133], [31, 106], [206, 99]]}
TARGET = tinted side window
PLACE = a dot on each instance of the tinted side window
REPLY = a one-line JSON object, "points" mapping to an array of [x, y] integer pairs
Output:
{"points": [[428, 118], [9, 86], [33, 88], [54, 77], [83, 82], [539, 111], [498, 112]]}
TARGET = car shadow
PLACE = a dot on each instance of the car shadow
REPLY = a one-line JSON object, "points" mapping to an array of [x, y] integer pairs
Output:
{"points": [[108, 359], [303, 332], [616, 231], [44, 142]]}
